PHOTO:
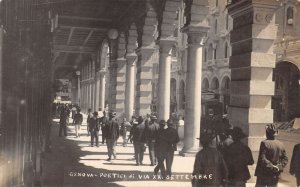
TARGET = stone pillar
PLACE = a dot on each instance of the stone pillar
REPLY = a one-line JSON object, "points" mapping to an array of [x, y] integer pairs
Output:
{"points": [[113, 85], [120, 86], [252, 63], [129, 93], [144, 78], [165, 60], [102, 90], [78, 88], [97, 91], [193, 89]]}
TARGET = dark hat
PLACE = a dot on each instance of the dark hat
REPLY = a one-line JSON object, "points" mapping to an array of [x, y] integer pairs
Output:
{"points": [[271, 129], [140, 119], [206, 138], [237, 133], [113, 114], [95, 113], [169, 121]]}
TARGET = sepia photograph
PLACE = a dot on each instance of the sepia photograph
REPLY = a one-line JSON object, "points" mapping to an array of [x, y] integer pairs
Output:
{"points": [[149, 93]]}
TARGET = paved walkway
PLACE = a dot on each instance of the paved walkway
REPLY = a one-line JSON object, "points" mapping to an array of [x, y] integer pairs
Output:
{"points": [[74, 163]]}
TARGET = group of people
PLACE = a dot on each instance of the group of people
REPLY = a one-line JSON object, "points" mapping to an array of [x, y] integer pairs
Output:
{"points": [[224, 156], [229, 163]]}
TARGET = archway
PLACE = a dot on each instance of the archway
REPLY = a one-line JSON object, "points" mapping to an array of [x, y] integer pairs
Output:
{"points": [[286, 102], [225, 93], [173, 100], [205, 84], [214, 86]]}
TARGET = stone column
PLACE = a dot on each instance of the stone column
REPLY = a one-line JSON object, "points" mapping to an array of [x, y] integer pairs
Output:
{"points": [[120, 86], [193, 89], [252, 63], [165, 60], [129, 93], [97, 91], [113, 85], [144, 78], [102, 90], [78, 88]]}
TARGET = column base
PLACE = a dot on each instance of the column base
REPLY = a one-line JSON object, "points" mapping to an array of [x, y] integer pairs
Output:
{"points": [[189, 152]]}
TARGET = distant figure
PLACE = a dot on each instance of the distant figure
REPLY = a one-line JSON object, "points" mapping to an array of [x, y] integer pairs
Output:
{"points": [[94, 128], [138, 138], [295, 163], [173, 139], [112, 133], [238, 156], [271, 160], [63, 122], [78, 118], [150, 135], [209, 161], [89, 116], [103, 121], [73, 109], [100, 112], [125, 126], [161, 147]]}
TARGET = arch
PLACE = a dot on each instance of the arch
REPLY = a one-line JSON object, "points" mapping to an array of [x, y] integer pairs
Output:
{"points": [[181, 101], [225, 84], [205, 84], [286, 102], [290, 16], [103, 55], [214, 85]]}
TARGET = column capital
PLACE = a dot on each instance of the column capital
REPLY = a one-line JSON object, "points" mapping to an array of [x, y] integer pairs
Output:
{"points": [[196, 34], [131, 58], [166, 44], [121, 59]]}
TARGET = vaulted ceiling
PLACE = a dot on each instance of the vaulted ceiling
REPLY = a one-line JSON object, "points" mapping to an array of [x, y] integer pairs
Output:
{"points": [[79, 26]]}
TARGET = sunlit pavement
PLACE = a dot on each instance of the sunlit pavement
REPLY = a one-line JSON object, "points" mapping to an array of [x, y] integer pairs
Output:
{"points": [[73, 162]]}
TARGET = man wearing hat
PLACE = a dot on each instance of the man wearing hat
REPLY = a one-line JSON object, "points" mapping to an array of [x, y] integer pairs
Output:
{"points": [[173, 139], [271, 159], [94, 128], [112, 134], [161, 146], [138, 138], [237, 157], [150, 134], [209, 161]]}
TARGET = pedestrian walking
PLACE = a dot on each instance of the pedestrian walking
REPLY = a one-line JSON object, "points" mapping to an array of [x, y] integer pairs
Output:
{"points": [[78, 118], [63, 122], [138, 138], [94, 129], [173, 139], [89, 116], [271, 159], [112, 133], [237, 157], [161, 146], [209, 161], [150, 135], [125, 126], [295, 163], [103, 121]]}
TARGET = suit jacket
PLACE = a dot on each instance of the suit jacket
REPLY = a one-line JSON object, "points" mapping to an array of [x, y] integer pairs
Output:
{"points": [[138, 134], [94, 124], [172, 138], [271, 153], [112, 130], [295, 162], [151, 131]]}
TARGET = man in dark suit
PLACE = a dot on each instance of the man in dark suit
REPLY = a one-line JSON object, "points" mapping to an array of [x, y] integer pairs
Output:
{"points": [[112, 133], [150, 134], [173, 139], [138, 138], [94, 128], [103, 121], [271, 160], [295, 163]]}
